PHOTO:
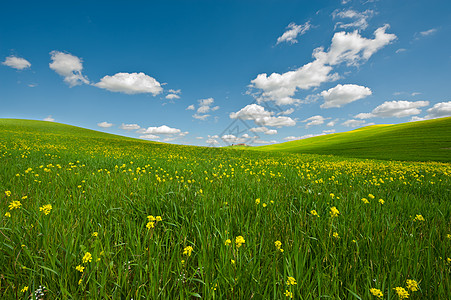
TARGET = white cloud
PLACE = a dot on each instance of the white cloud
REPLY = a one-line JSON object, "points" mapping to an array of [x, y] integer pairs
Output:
{"points": [[293, 138], [232, 139], [275, 121], [250, 112], [332, 123], [149, 137], [15, 62], [400, 50], [439, 110], [343, 94], [261, 117], [130, 83], [350, 48], [286, 112], [211, 140], [199, 138], [104, 124], [293, 32], [49, 119], [329, 131], [396, 109], [353, 123], [161, 130], [360, 18], [204, 106], [264, 130], [129, 126], [428, 32], [68, 66], [315, 120], [172, 96], [179, 91]]}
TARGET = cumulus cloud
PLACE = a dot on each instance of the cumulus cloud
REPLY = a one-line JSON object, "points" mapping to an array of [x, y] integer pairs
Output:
{"points": [[353, 123], [49, 119], [260, 116], [359, 18], [348, 48], [204, 106], [343, 94], [129, 126], [439, 110], [396, 109], [306, 136], [15, 62], [161, 130], [130, 83], [292, 32], [232, 139], [212, 140], [68, 66], [315, 120], [286, 112], [263, 130], [105, 124], [172, 96]]}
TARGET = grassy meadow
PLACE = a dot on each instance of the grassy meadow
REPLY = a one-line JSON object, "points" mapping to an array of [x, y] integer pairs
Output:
{"points": [[89, 215]]}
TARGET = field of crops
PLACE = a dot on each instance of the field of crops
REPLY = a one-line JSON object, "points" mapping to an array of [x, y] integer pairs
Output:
{"points": [[95, 216]]}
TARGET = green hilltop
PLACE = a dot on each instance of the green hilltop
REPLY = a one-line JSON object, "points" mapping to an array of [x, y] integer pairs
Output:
{"points": [[428, 140]]}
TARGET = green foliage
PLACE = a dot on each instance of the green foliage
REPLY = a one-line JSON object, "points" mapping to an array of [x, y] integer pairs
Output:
{"points": [[415, 141], [107, 192]]}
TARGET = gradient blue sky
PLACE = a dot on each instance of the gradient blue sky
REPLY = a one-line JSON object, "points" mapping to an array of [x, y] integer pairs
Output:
{"points": [[184, 71]]}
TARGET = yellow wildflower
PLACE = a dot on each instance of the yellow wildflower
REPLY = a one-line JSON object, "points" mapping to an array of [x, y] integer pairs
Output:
{"points": [[334, 212], [25, 288], [419, 218], [158, 219], [335, 234], [151, 218], [314, 213], [150, 225], [95, 234], [376, 292], [412, 285], [187, 250], [381, 201], [371, 196], [401, 292], [364, 200], [8, 193], [80, 281], [264, 204], [24, 197], [8, 214], [288, 294], [239, 241], [278, 245], [80, 268], [87, 257], [14, 205], [291, 281], [227, 242], [46, 209], [232, 261], [257, 201]]}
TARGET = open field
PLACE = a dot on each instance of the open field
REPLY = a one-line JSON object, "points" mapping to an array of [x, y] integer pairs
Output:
{"points": [[88, 215], [416, 141]]}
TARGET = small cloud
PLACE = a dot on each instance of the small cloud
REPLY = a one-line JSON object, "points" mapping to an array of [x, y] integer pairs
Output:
{"points": [[68, 66], [149, 137], [204, 106], [129, 126], [428, 32], [343, 94], [172, 96], [439, 110], [179, 91], [360, 18], [105, 124], [49, 119], [161, 130], [315, 120], [401, 50], [353, 123], [290, 35], [15, 62], [32, 85], [191, 107], [130, 83]]}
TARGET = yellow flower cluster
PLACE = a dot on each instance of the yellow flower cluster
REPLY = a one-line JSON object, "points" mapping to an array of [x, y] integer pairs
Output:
{"points": [[14, 205], [278, 245], [152, 220], [376, 292], [46, 209], [334, 212], [239, 241], [87, 257], [291, 281], [314, 213], [187, 250], [401, 292], [419, 218]]}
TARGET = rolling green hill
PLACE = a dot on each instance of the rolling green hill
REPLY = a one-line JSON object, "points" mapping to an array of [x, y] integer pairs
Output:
{"points": [[415, 141]]}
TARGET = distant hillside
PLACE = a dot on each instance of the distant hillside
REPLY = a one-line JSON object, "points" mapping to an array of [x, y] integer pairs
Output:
{"points": [[415, 141]]}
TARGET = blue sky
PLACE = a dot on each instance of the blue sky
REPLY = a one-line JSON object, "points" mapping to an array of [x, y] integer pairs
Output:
{"points": [[220, 72]]}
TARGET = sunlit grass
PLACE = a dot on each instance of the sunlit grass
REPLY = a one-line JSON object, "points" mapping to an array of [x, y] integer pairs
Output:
{"points": [[105, 217]]}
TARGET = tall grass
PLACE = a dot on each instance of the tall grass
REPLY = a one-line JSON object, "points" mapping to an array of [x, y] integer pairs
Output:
{"points": [[103, 189]]}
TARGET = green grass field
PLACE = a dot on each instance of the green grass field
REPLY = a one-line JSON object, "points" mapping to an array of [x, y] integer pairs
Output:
{"points": [[416, 141], [89, 215]]}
